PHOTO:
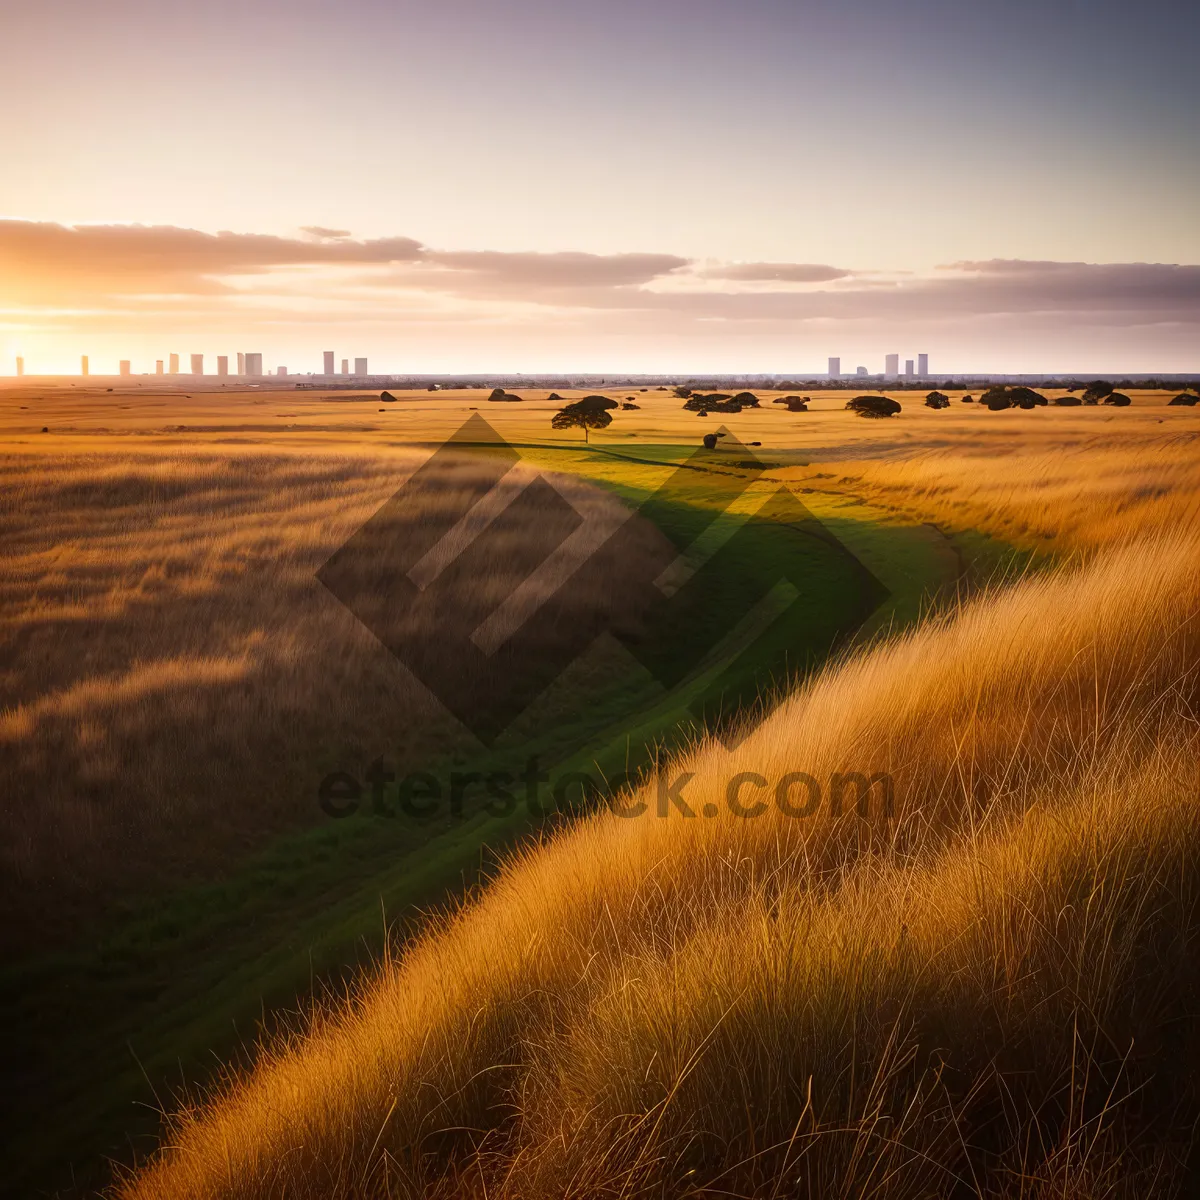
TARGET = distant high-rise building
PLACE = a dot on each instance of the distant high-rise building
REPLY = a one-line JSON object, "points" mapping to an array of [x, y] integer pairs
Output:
{"points": [[861, 371], [891, 365], [158, 366], [329, 368], [222, 364], [254, 364], [83, 364], [241, 364], [345, 366], [125, 366], [835, 368], [360, 366], [281, 371], [922, 365], [197, 364], [174, 368], [909, 369], [20, 366]]}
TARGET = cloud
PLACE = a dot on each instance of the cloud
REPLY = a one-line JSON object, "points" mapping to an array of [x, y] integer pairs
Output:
{"points": [[778, 272], [563, 269], [41, 262], [319, 231], [129, 272], [1077, 285]]}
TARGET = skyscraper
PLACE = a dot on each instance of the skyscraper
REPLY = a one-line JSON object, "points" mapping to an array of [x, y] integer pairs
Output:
{"points": [[222, 364], [83, 365], [174, 368], [360, 366], [908, 367], [197, 364], [835, 368], [158, 366], [329, 362], [891, 366], [281, 371], [345, 366], [125, 366], [241, 364], [922, 365], [20, 365], [861, 372], [254, 364]]}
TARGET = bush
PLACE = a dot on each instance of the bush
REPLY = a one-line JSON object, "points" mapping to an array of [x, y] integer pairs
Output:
{"points": [[1068, 401], [1096, 391], [746, 399], [874, 406], [714, 402], [937, 400], [1118, 400], [499, 395], [1025, 397], [710, 441], [388, 397], [630, 404], [1183, 400]]}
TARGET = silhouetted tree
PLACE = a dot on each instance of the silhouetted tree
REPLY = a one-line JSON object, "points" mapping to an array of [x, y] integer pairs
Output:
{"points": [[589, 413]]}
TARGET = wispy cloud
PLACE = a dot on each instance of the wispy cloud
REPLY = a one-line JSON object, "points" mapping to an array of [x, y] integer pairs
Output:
{"points": [[764, 272], [41, 262], [93, 276]]}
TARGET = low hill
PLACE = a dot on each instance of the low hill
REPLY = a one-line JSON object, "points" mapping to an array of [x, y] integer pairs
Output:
{"points": [[979, 971]]}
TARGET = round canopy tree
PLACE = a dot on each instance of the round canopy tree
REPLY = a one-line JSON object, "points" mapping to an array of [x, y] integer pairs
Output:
{"points": [[589, 413]]}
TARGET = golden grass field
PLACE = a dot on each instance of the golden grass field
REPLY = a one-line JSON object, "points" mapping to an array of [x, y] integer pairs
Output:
{"points": [[991, 993]]}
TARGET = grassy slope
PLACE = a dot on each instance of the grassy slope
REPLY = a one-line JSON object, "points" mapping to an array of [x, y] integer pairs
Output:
{"points": [[192, 973], [972, 996]]}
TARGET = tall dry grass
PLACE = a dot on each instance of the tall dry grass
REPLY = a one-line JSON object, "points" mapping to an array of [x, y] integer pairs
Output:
{"points": [[1057, 484], [174, 679], [991, 992]]}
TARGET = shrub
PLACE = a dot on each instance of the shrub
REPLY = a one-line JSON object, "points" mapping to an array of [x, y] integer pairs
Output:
{"points": [[937, 400], [710, 441], [714, 402], [1184, 400], [1068, 401], [1118, 400], [388, 397], [1025, 397], [1096, 391], [874, 406]]}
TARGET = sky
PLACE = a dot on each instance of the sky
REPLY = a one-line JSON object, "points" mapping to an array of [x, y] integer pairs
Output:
{"points": [[660, 186]]}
